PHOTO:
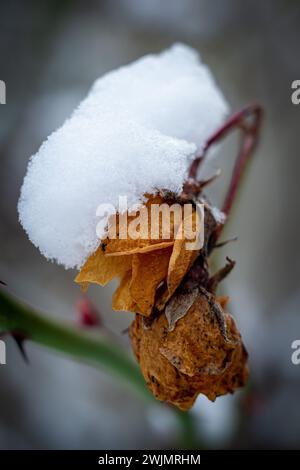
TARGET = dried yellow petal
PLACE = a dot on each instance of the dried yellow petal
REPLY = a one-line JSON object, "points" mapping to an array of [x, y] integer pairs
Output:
{"points": [[122, 299], [140, 246], [182, 258], [124, 243], [101, 269], [148, 270]]}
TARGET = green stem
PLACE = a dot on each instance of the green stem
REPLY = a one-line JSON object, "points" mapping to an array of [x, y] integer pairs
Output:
{"points": [[100, 351], [16, 317]]}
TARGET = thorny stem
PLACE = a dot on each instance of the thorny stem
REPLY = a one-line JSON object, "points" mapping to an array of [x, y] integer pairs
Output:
{"points": [[18, 318], [21, 320], [249, 121], [249, 141]]}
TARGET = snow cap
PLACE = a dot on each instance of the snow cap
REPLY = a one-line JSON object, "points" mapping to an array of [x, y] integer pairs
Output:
{"points": [[136, 132]]}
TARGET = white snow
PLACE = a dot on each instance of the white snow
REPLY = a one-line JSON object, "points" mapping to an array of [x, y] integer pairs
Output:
{"points": [[135, 132]]}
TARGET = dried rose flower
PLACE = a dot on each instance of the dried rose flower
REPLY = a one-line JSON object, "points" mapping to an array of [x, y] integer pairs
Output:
{"points": [[184, 341]]}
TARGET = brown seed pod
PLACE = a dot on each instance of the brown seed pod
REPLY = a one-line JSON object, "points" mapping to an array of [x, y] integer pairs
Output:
{"points": [[204, 353]]}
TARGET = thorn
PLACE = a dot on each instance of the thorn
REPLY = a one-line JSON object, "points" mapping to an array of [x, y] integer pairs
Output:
{"points": [[3, 283], [220, 275], [125, 331], [20, 340], [211, 179], [225, 242], [192, 187]]}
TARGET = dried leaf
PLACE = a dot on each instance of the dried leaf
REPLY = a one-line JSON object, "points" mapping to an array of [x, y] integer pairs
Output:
{"points": [[178, 306]]}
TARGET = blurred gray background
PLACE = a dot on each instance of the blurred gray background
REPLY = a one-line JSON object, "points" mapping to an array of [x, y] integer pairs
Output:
{"points": [[50, 54]]}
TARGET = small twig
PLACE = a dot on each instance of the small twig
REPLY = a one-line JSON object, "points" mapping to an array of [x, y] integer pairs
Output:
{"points": [[225, 242], [215, 280]]}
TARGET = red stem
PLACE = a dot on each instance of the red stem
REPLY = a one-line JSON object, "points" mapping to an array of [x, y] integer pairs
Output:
{"points": [[249, 121], [251, 132]]}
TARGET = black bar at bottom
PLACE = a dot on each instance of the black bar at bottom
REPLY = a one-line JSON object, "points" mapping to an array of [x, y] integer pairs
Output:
{"points": [[135, 458]]}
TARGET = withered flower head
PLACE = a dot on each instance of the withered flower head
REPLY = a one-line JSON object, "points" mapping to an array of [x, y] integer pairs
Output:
{"points": [[184, 341]]}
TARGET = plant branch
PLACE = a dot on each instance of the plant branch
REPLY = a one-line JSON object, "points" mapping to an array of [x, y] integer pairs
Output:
{"points": [[251, 132], [22, 321]]}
